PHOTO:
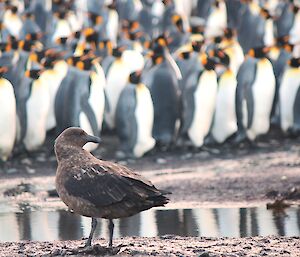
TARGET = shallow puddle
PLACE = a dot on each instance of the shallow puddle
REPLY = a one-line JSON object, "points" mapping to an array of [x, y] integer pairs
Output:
{"points": [[212, 222]]}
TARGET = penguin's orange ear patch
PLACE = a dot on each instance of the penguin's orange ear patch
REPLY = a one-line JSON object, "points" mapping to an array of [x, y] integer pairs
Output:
{"points": [[203, 59], [27, 73], [161, 42], [80, 65], [266, 50], [3, 69], [251, 52]]}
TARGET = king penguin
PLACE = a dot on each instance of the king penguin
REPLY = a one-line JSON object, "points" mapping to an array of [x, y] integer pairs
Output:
{"points": [[134, 117], [56, 71], [36, 107], [7, 116], [200, 101], [12, 21], [117, 77], [217, 20], [162, 80], [96, 99], [255, 104], [289, 97], [224, 122]]}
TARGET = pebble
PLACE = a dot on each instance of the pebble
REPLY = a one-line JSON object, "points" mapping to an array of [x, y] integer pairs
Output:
{"points": [[123, 162], [11, 171], [41, 158], [26, 161], [161, 161], [30, 170]]}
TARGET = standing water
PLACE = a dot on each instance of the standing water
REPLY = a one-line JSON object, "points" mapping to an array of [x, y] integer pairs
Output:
{"points": [[210, 222]]}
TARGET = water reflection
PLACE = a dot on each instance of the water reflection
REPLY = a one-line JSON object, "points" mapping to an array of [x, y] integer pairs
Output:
{"points": [[231, 222]]}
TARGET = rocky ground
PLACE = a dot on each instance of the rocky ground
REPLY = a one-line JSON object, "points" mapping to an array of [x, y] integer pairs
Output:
{"points": [[228, 175]]}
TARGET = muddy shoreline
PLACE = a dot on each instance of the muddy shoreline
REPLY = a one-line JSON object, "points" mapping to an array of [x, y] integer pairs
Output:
{"points": [[247, 175]]}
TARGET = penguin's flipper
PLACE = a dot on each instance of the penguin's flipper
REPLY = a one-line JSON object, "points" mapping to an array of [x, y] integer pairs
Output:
{"points": [[296, 108], [126, 125], [88, 111], [22, 96], [245, 78], [106, 64], [188, 102], [106, 104], [250, 104]]}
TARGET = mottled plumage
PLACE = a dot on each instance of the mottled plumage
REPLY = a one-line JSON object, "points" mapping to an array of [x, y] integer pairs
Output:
{"points": [[97, 188]]}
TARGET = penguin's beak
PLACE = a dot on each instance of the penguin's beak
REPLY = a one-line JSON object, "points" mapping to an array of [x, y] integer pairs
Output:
{"points": [[93, 139]]}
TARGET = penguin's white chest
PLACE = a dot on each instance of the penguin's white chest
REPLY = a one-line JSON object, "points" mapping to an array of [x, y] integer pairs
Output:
{"points": [[205, 100], [144, 115], [263, 90], [112, 26], [269, 33], [116, 80], [37, 108], [216, 22], [133, 59], [7, 118], [63, 29], [53, 80], [97, 98], [287, 93], [225, 121], [13, 23]]}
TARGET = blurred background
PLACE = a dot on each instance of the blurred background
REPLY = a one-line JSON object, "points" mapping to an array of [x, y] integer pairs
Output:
{"points": [[150, 74]]}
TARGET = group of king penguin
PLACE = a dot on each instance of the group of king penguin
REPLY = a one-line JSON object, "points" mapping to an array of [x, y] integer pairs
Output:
{"points": [[153, 72]]}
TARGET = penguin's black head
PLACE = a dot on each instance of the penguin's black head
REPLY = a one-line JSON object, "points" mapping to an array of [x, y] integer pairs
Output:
{"points": [[281, 41], [13, 42], [197, 30], [32, 36], [92, 38], [5, 47], [294, 62], [217, 3], [48, 62], [217, 39], [185, 55], [228, 33], [209, 63], [73, 60], [167, 2], [265, 13], [295, 9], [62, 40], [258, 52], [26, 45], [135, 34], [34, 74], [14, 9], [118, 51], [135, 77], [197, 45], [177, 20], [77, 34], [3, 70], [112, 6], [158, 53], [222, 56], [95, 18], [61, 14]]}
